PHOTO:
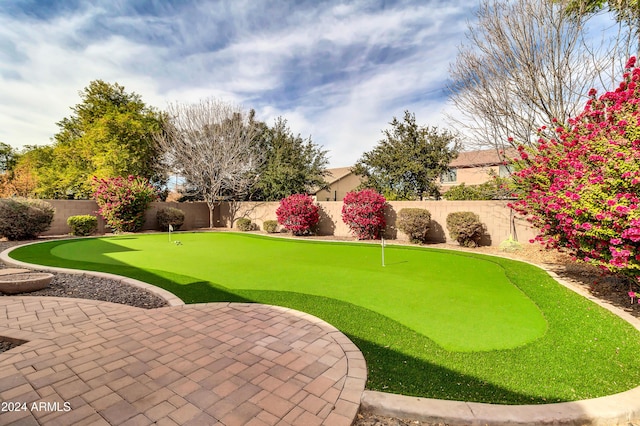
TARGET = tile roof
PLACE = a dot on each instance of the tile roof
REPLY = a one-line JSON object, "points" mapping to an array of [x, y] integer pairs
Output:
{"points": [[335, 174]]}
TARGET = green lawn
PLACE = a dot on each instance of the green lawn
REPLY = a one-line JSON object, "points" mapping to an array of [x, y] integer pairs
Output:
{"points": [[430, 323]]}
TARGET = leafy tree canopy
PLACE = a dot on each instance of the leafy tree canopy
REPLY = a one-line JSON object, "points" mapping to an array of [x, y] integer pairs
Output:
{"points": [[109, 134], [292, 165], [407, 163], [626, 12], [12, 181], [8, 157]]}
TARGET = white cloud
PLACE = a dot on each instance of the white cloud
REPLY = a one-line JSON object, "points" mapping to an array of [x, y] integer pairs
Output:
{"points": [[337, 72]]}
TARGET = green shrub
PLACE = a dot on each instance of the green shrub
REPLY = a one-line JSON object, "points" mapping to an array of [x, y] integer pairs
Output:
{"points": [[82, 225], [465, 192], [244, 224], [415, 223], [22, 219], [465, 228], [270, 226], [495, 189], [510, 245], [170, 216]]}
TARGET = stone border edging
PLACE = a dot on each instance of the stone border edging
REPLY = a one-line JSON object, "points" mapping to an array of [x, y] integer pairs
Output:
{"points": [[169, 297], [620, 408]]}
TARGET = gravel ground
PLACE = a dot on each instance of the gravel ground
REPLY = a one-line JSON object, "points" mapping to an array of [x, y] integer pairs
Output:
{"points": [[87, 287], [610, 289]]}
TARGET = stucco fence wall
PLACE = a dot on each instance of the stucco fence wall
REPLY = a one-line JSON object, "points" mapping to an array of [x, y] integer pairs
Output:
{"points": [[494, 214], [196, 215]]}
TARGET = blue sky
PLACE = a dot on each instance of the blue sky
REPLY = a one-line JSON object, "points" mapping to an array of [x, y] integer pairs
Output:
{"points": [[337, 71]]}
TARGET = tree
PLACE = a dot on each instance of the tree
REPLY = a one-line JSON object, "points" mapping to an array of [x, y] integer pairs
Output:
{"points": [[292, 165], [8, 157], [627, 13], [582, 185], [212, 144], [526, 62], [109, 134], [22, 180], [407, 163]]}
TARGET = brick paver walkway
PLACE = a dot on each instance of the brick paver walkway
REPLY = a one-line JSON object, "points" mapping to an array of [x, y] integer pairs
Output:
{"points": [[90, 362]]}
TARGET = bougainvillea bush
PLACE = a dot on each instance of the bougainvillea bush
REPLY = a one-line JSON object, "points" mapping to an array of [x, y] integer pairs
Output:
{"points": [[123, 201], [298, 214], [363, 212], [581, 184]]}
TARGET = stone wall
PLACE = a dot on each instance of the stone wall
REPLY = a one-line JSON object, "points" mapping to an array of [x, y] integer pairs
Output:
{"points": [[196, 215], [494, 214]]}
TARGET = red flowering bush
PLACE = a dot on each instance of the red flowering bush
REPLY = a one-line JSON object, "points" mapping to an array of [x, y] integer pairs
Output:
{"points": [[581, 184], [298, 214], [363, 212], [123, 201]]}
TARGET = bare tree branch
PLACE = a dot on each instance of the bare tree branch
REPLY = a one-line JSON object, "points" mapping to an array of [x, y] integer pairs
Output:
{"points": [[526, 64], [211, 144]]}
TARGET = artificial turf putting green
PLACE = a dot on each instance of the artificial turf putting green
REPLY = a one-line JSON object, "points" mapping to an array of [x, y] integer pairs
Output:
{"points": [[431, 323], [463, 304]]}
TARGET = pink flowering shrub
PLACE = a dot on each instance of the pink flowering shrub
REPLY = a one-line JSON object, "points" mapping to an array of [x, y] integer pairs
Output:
{"points": [[581, 186], [363, 212], [123, 201], [298, 214]]}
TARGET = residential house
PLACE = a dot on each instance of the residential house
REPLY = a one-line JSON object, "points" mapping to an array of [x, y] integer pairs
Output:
{"points": [[341, 180], [470, 168], [476, 167]]}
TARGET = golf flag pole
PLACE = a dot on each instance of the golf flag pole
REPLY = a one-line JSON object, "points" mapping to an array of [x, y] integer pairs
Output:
{"points": [[382, 244], [170, 229]]}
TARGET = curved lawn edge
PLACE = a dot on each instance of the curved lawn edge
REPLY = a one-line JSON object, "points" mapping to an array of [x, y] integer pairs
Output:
{"points": [[170, 298], [617, 409], [635, 322], [621, 408]]}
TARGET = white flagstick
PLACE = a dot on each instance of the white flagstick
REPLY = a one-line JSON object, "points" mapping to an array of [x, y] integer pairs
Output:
{"points": [[170, 229], [382, 243]]}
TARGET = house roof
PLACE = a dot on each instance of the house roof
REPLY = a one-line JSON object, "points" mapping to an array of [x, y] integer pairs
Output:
{"points": [[486, 157], [334, 175]]}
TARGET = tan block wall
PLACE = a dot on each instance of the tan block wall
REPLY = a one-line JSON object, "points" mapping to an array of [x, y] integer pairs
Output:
{"points": [[66, 208], [196, 215], [258, 212], [494, 214]]}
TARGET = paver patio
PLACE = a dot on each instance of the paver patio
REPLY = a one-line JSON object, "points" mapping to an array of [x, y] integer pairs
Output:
{"points": [[91, 362]]}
